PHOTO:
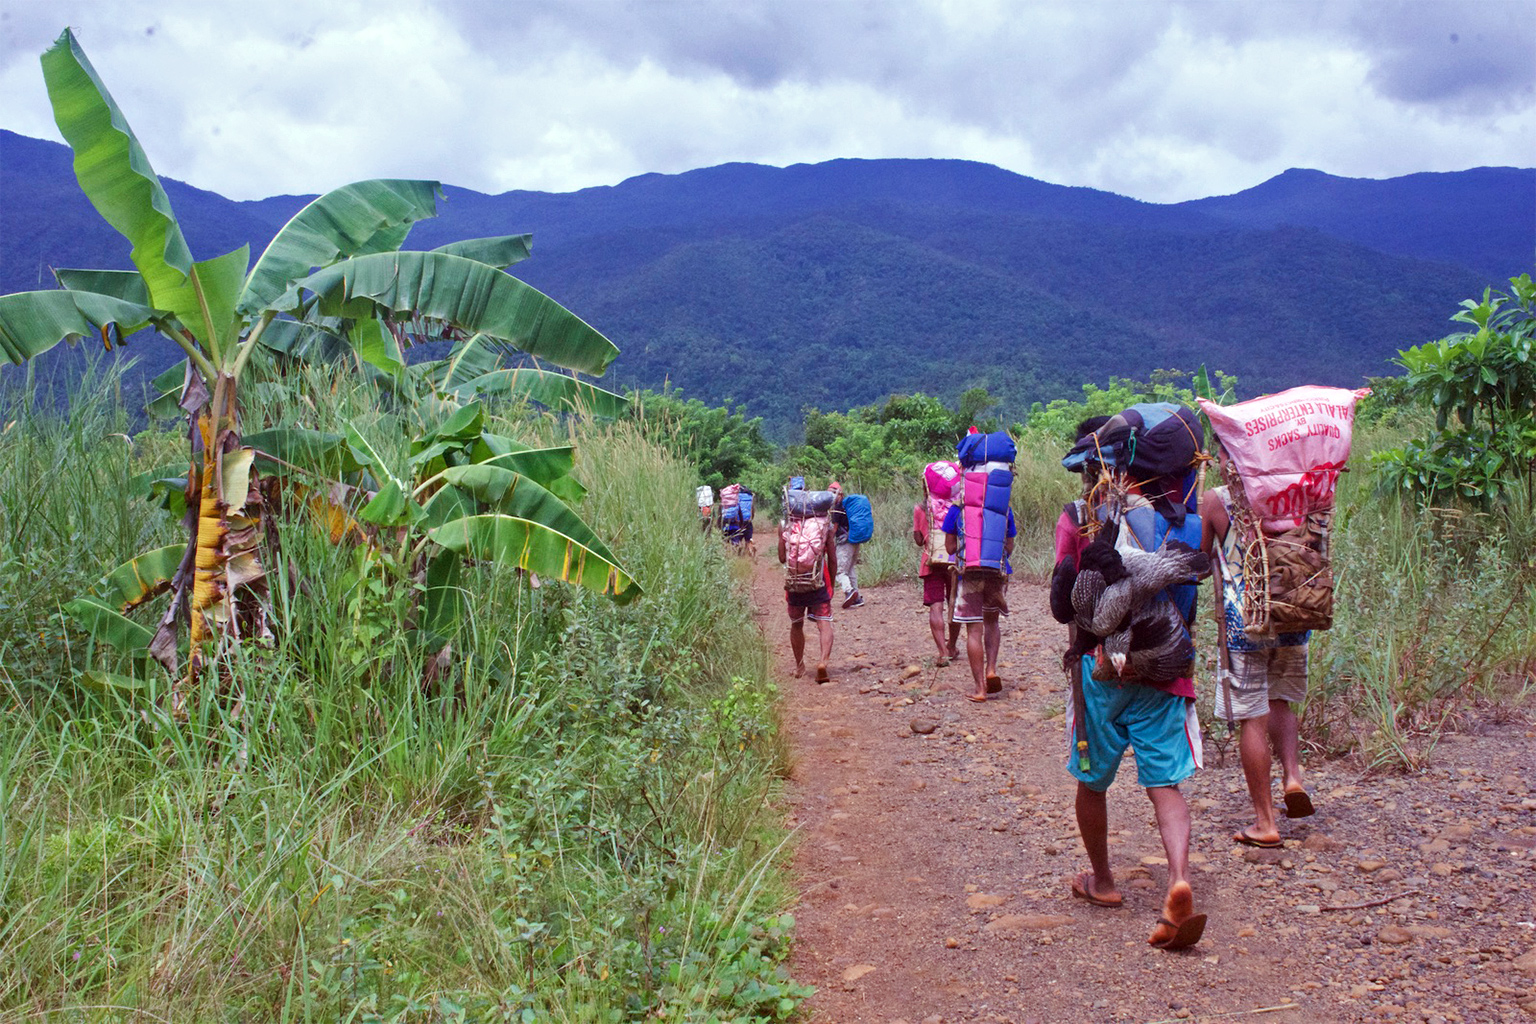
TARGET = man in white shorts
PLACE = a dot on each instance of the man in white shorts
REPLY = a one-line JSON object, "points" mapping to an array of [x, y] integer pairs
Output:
{"points": [[1257, 682]]}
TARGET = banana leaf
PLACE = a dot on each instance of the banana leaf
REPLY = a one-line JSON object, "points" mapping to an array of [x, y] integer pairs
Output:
{"points": [[501, 251], [462, 293], [214, 289], [127, 285], [445, 505], [323, 454], [472, 357], [304, 342], [377, 346], [558, 391], [165, 486], [443, 598], [364, 217], [541, 465], [109, 626], [141, 578], [103, 683], [31, 323], [549, 467], [116, 176], [165, 392], [389, 506], [536, 531], [462, 427]]}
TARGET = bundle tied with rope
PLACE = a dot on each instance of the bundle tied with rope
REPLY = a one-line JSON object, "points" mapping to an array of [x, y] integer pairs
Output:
{"points": [[1157, 444], [1285, 453]]}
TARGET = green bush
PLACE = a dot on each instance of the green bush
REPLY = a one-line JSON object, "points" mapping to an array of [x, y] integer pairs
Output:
{"points": [[1480, 386]]}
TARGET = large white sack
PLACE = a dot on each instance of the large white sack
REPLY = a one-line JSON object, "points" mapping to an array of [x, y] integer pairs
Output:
{"points": [[1289, 448]]}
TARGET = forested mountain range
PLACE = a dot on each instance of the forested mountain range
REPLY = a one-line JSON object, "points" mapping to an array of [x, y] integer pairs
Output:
{"points": [[834, 284]]}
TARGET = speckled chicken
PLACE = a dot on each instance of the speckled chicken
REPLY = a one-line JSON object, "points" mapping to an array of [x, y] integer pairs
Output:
{"points": [[1112, 591], [1154, 646]]}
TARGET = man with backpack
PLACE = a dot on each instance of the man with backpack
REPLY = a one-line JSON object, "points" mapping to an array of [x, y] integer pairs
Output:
{"points": [[979, 531], [1257, 681], [853, 524], [935, 563], [808, 550], [1138, 494]]}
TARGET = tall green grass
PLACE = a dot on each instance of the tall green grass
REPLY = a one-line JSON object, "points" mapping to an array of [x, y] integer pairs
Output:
{"points": [[575, 821], [1434, 622]]}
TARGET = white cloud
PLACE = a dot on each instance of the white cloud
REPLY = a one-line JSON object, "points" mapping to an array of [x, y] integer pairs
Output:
{"points": [[1163, 101]]}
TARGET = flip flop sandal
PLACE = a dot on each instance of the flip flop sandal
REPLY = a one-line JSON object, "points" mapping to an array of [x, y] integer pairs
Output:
{"points": [[975, 698], [821, 674], [1186, 933], [994, 684], [1082, 892], [941, 662], [1298, 804], [1263, 844]]}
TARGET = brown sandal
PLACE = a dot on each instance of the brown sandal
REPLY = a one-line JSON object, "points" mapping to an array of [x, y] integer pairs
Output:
{"points": [[1185, 934]]}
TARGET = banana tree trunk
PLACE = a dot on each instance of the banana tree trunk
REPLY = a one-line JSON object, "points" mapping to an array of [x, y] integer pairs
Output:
{"points": [[228, 584]]}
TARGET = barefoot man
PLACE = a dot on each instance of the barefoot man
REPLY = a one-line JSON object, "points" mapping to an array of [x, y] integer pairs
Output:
{"points": [[808, 549], [1153, 717], [935, 563]]}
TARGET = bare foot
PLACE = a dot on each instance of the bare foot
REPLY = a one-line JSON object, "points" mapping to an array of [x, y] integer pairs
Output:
{"points": [[1086, 887], [821, 673], [954, 652], [799, 669], [1179, 927]]}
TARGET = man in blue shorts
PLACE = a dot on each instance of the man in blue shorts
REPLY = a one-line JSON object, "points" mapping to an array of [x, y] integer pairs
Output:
{"points": [[1154, 719]]}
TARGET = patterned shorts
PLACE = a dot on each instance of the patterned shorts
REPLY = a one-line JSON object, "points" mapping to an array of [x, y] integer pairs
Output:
{"points": [[1255, 678]]}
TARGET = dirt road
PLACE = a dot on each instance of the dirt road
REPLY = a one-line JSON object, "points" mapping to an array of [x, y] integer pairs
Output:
{"points": [[934, 868]]}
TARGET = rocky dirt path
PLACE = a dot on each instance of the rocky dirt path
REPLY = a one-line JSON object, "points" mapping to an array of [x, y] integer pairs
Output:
{"points": [[934, 865]]}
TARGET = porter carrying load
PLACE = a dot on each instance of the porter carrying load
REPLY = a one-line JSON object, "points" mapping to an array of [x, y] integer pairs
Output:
{"points": [[983, 490], [805, 537], [1285, 454]]}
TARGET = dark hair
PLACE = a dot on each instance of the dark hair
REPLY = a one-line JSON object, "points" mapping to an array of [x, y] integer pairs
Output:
{"points": [[1089, 425]]}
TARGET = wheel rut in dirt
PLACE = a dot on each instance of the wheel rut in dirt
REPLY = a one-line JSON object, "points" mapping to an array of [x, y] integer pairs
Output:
{"points": [[936, 845]]}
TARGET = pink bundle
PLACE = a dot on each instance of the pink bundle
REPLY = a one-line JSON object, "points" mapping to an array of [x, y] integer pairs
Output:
{"points": [[1288, 448], [730, 494], [940, 478]]}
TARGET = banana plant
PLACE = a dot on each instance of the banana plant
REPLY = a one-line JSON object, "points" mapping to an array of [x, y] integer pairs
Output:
{"points": [[464, 493], [338, 258]]}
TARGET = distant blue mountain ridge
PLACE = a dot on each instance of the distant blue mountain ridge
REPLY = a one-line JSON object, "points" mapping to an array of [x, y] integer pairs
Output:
{"points": [[834, 284]]}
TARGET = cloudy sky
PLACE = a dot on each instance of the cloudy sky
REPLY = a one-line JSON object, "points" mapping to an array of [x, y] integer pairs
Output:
{"points": [[1156, 99]]}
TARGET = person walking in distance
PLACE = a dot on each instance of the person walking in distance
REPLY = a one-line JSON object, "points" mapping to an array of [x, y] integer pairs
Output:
{"points": [[847, 550], [935, 562], [807, 550], [979, 531]]}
